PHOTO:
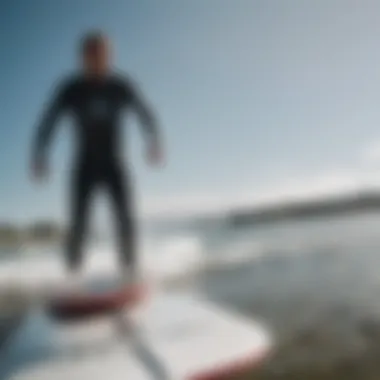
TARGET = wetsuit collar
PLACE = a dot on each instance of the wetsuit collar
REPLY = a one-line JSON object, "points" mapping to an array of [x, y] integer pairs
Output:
{"points": [[96, 78]]}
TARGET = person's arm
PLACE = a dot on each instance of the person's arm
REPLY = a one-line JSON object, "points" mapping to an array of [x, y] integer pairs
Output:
{"points": [[147, 120], [46, 126]]}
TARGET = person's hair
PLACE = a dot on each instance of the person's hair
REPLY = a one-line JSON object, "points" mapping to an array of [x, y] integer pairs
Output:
{"points": [[91, 40]]}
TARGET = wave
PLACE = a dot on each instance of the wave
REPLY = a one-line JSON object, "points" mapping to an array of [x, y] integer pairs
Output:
{"points": [[160, 259], [181, 256]]}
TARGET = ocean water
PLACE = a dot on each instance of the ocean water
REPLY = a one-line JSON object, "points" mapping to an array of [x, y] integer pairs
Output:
{"points": [[292, 275], [322, 271], [335, 258]]}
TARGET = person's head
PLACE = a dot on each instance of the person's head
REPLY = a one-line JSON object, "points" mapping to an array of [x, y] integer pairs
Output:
{"points": [[96, 54]]}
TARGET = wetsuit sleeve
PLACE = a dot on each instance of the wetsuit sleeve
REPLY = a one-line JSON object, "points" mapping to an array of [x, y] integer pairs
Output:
{"points": [[48, 121], [144, 112]]}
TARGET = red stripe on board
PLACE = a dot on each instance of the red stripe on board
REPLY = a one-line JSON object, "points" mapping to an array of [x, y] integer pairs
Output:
{"points": [[229, 370], [75, 307]]}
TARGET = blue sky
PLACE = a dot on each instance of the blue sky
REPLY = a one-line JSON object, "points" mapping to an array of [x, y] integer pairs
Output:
{"points": [[255, 98]]}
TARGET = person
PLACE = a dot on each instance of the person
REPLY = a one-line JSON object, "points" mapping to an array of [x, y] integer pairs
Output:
{"points": [[96, 97]]}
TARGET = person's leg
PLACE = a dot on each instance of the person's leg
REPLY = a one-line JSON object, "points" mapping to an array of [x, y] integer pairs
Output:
{"points": [[82, 183], [121, 197]]}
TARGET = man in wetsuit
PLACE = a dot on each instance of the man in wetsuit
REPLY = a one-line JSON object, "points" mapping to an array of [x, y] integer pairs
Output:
{"points": [[96, 99]]}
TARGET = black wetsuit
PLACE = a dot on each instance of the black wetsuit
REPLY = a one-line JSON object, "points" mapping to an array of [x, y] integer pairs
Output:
{"points": [[97, 106]]}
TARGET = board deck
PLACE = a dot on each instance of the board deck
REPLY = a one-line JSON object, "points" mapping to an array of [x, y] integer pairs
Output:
{"points": [[173, 336]]}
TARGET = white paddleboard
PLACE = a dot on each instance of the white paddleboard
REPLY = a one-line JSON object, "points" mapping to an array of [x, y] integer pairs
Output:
{"points": [[174, 336]]}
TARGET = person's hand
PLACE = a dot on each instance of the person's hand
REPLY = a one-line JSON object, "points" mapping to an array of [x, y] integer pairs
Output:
{"points": [[39, 169], [155, 154]]}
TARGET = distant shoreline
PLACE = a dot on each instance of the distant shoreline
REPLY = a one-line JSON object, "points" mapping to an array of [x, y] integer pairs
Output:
{"points": [[13, 237], [298, 210], [16, 243]]}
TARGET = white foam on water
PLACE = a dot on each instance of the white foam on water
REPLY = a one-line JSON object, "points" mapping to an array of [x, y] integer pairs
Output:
{"points": [[235, 254], [172, 256], [160, 260]]}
